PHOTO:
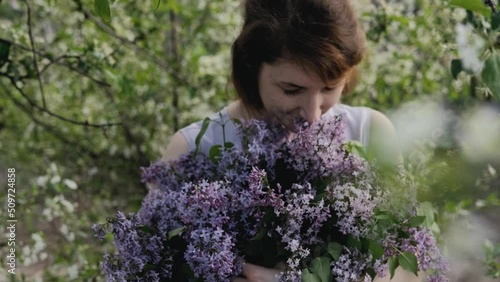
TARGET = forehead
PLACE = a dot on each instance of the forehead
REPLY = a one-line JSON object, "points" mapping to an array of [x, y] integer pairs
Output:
{"points": [[286, 71]]}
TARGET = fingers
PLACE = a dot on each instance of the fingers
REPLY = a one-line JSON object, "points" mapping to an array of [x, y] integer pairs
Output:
{"points": [[239, 279], [254, 272]]}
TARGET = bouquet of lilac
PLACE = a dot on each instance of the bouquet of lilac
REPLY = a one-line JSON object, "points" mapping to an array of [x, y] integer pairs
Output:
{"points": [[306, 201]]}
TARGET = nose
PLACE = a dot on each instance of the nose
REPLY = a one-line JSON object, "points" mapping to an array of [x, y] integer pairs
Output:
{"points": [[311, 108]]}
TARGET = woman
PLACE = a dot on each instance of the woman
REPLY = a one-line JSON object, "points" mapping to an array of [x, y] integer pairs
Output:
{"points": [[294, 58]]}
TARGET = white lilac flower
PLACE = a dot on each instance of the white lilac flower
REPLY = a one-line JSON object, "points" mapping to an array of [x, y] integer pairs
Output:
{"points": [[469, 45]]}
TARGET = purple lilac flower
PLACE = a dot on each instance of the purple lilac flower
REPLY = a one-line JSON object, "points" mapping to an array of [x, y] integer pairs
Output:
{"points": [[224, 204], [428, 254], [289, 276], [158, 210], [211, 255], [99, 231], [380, 266], [135, 249], [354, 207], [173, 174], [262, 140], [317, 151], [351, 266], [423, 245]]}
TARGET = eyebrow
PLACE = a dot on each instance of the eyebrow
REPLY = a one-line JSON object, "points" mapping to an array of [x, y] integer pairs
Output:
{"points": [[284, 83]]}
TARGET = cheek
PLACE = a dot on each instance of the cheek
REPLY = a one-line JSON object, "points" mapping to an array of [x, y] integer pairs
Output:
{"points": [[335, 98], [275, 99]]}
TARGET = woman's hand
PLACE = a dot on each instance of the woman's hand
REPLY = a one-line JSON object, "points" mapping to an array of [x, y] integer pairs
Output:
{"points": [[255, 273]]}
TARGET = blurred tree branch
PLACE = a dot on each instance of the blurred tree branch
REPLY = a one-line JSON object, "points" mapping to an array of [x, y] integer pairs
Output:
{"points": [[33, 50], [492, 5], [155, 59], [35, 105], [50, 129], [174, 55]]}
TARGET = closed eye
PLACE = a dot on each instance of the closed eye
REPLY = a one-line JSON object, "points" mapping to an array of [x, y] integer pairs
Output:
{"points": [[330, 89], [291, 92]]}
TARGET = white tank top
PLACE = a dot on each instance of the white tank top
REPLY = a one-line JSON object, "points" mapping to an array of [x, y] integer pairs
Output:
{"points": [[357, 127]]}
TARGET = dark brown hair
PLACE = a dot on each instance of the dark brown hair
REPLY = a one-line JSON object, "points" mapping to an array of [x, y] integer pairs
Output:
{"points": [[320, 35]]}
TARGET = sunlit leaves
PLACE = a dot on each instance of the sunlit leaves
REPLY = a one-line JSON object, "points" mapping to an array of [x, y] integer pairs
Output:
{"points": [[416, 221], [393, 264], [334, 250], [102, 9], [408, 261], [320, 271], [307, 276], [491, 74], [321, 266], [204, 127], [472, 5], [175, 232]]}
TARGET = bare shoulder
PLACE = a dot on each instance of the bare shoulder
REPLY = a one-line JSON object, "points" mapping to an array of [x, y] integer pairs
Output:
{"points": [[177, 147], [383, 141], [380, 122]]}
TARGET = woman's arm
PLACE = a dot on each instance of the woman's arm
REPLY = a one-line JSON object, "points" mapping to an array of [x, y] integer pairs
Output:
{"points": [[255, 273], [401, 275], [383, 143], [177, 147]]}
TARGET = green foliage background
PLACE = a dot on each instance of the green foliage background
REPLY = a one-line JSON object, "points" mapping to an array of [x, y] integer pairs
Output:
{"points": [[86, 101]]}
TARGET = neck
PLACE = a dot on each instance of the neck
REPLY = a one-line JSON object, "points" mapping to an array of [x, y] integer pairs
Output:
{"points": [[237, 110]]}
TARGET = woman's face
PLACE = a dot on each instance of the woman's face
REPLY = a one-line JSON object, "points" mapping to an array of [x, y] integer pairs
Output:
{"points": [[286, 88]]}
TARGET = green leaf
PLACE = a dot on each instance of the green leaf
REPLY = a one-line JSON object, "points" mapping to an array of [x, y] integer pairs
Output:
{"points": [[228, 145], [321, 267], [173, 5], [309, 277], [354, 242], [334, 249], [215, 153], [355, 147], [101, 8], [4, 51], [383, 216], [145, 228], [416, 221], [204, 127], [472, 5], [175, 232], [408, 262], [495, 21], [456, 67], [157, 5], [491, 74], [237, 121], [393, 264], [376, 249], [426, 209], [127, 88]]}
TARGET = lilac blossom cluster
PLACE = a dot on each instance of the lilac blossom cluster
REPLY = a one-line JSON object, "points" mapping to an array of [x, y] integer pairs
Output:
{"points": [[301, 194], [419, 241], [352, 266]]}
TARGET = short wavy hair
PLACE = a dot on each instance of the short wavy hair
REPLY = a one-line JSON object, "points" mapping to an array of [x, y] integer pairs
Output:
{"points": [[319, 35]]}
